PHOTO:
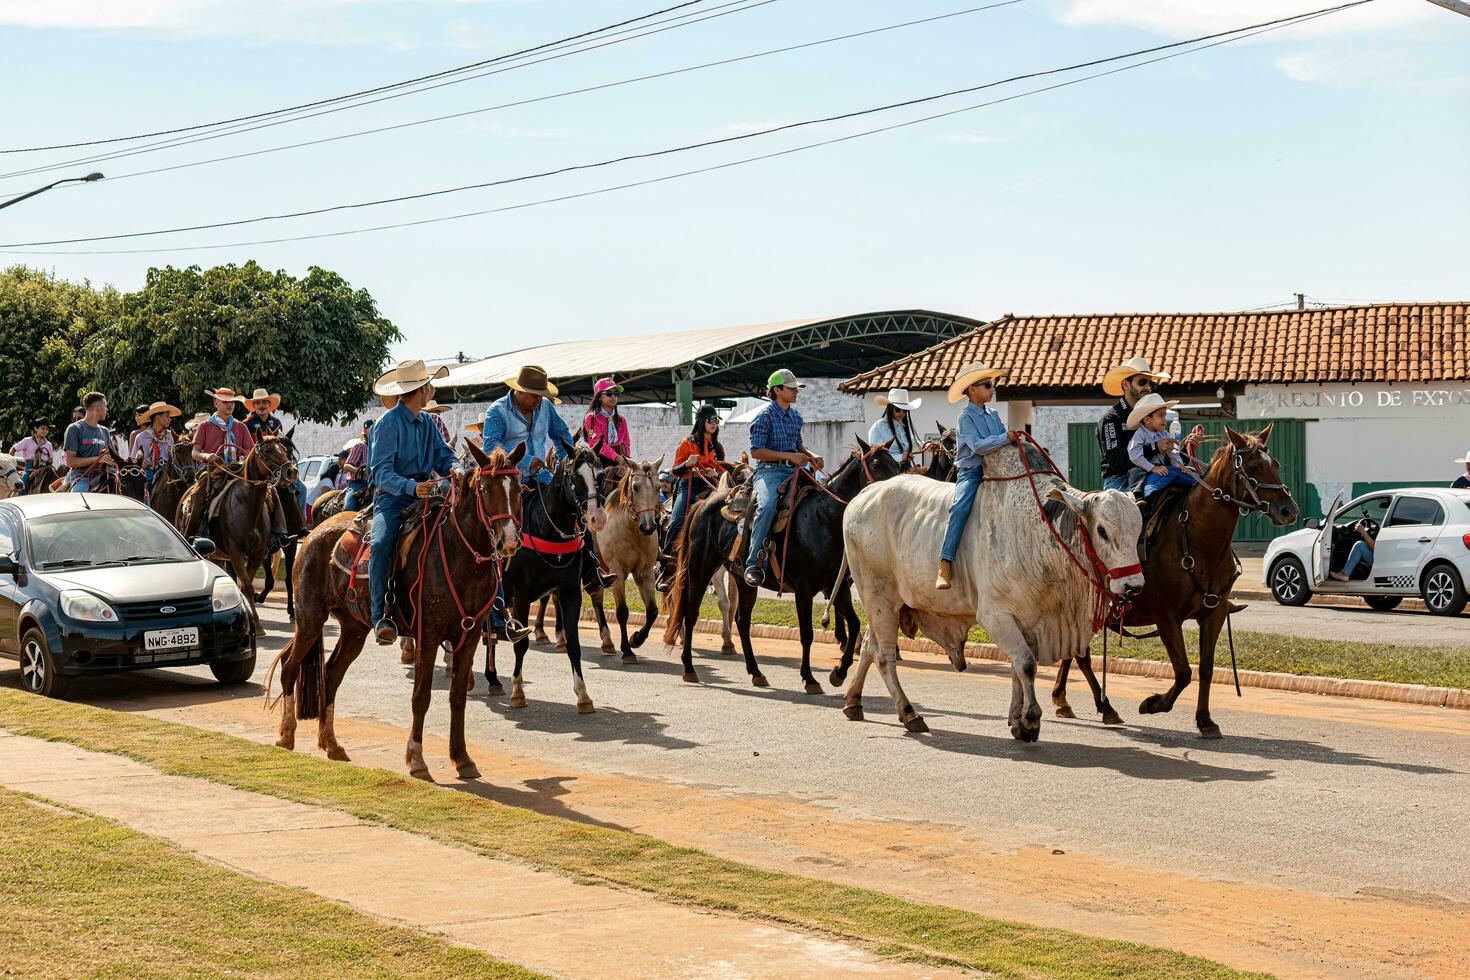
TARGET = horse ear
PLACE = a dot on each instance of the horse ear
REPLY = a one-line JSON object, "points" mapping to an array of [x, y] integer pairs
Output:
{"points": [[1265, 434], [481, 458], [290, 432], [1069, 500], [516, 455], [537, 465], [1236, 439], [863, 447], [626, 461], [744, 458], [658, 464]]}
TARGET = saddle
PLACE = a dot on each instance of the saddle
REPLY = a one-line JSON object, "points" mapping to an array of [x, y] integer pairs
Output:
{"points": [[740, 506], [1162, 506], [354, 549]]}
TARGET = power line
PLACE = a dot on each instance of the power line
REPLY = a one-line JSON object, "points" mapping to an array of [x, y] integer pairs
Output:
{"points": [[362, 92], [689, 20], [563, 94], [1239, 34]]}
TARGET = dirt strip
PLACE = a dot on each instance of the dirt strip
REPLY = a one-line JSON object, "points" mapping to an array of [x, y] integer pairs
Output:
{"points": [[1290, 932], [534, 918]]}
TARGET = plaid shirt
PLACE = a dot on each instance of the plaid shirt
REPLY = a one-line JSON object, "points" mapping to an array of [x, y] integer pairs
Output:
{"points": [[776, 429]]}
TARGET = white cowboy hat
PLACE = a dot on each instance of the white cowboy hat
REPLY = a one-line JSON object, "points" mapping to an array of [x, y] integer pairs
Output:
{"points": [[196, 421], [352, 442], [435, 407], [147, 414], [1465, 459], [898, 398], [408, 376], [1113, 380], [260, 394], [969, 374], [1147, 405], [225, 395]]}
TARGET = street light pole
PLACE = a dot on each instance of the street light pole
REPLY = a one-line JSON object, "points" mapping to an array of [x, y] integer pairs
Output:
{"points": [[1458, 6], [41, 190]]}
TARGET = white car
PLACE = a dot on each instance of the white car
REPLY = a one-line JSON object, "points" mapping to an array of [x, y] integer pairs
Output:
{"points": [[1421, 548]]}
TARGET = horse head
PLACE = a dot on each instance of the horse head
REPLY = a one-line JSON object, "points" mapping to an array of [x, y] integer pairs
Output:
{"points": [[11, 482], [1253, 476], [269, 459], [1111, 522], [581, 465], [639, 490], [865, 465], [495, 489]]}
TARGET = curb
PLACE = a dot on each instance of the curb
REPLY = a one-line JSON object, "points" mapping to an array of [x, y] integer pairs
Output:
{"points": [[1319, 599], [1342, 687]]}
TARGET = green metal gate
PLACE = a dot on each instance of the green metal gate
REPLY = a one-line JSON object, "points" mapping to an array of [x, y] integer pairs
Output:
{"points": [[1288, 446]]}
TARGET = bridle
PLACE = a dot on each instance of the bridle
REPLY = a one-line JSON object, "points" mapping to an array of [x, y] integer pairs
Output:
{"points": [[625, 487], [1252, 504]]}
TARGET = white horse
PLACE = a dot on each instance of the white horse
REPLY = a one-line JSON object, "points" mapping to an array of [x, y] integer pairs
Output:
{"points": [[11, 480]]}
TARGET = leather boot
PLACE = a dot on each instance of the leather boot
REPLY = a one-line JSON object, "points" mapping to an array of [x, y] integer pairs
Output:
{"points": [[946, 571]]}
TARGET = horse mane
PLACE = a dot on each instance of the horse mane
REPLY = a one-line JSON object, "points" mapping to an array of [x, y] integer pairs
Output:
{"points": [[497, 459], [1218, 470]]}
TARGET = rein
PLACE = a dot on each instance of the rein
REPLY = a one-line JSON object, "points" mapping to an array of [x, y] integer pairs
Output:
{"points": [[791, 517]]}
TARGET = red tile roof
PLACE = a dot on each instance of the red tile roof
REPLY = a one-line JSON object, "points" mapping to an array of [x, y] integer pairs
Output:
{"points": [[1402, 342]]}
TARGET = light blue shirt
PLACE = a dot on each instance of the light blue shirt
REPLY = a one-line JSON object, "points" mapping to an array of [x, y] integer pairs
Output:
{"points": [[882, 430], [980, 431], [506, 428]]}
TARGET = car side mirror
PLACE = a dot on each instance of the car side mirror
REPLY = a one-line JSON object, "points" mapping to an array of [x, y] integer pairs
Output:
{"points": [[204, 547], [9, 566], [1312, 523]]}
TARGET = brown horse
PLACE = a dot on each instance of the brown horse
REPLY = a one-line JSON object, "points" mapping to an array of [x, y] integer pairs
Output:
{"points": [[241, 525], [628, 544], [450, 578], [171, 482], [1189, 569], [40, 479]]}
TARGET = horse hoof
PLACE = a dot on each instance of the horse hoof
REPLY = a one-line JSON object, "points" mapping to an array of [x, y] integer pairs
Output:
{"points": [[812, 687], [1030, 734], [337, 754], [1150, 705], [289, 744], [1110, 717], [630, 658], [916, 724], [421, 774], [854, 712], [728, 649], [405, 656], [1210, 731], [517, 700], [837, 677], [690, 677], [496, 690], [467, 770], [608, 651], [1065, 711], [585, 708], [759, 680], [561, 646], [542, 640]]}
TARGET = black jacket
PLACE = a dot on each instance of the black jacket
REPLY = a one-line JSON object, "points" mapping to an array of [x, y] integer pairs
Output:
{"points": [[1112, 441]]}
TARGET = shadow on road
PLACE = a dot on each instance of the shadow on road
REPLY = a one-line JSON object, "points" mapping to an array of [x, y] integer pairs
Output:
{"points": [[1275, 749]]}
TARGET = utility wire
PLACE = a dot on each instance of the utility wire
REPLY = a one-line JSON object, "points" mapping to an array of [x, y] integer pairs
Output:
{"points": [[514, 62], [362, 92], [563, 94], [1237, 34]]}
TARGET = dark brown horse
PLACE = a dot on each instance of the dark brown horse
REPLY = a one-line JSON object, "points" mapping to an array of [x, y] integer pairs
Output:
{"points": [[241, 527], [40, 479], [172, 480], [449, 579], [1189, 569]]}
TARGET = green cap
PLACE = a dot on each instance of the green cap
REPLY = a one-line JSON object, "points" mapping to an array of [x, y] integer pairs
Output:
{"points": [[783, 378]]}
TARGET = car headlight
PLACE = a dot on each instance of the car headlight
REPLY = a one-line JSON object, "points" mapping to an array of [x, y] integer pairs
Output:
{"points": [[226, 594], [86, 607]]}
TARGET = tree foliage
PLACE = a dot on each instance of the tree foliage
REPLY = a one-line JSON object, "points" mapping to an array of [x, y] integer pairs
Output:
{"points": [[316, 340], [44, 322]]}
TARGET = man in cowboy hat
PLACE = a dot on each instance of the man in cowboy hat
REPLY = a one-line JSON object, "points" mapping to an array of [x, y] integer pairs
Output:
{"points": [[355, 470], [405, 452], [1462, 482], [223, 441], [262, 423], [526, 414], [776, 446], [979, 431], [1129, 382]]}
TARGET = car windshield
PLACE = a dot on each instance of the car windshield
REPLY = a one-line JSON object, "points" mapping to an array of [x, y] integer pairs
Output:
{"points": [[105, 537]]}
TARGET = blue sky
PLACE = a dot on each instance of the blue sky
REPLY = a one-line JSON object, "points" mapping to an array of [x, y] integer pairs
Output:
{"points": [[1327, 158]]}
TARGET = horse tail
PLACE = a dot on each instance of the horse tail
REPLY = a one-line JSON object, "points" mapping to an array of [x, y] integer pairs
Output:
{"points": [[311, 691], [832, 595], [676, 600]]}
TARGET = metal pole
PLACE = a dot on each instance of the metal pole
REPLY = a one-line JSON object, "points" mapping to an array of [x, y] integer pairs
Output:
{"points": [[41, 190], [1458, 6]]}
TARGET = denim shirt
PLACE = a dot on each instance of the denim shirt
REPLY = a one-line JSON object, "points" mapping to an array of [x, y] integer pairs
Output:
{"points": [[505, 428], [405, 448], [980, 431]]}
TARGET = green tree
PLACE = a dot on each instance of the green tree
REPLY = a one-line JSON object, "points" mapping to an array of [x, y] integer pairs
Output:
{"points": [[43, 322], [315, 339]]}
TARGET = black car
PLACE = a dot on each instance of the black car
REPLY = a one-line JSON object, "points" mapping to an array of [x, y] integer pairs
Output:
{"points": [[98, 583]]}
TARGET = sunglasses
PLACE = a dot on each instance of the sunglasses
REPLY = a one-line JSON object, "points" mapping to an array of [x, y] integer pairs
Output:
{"points": [[987, 385]]}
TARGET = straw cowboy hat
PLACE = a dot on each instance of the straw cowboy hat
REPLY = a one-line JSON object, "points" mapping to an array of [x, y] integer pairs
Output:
{"points": [[146, 416], [1465, 459], [532, 381], [1113, 380], [898, 398], [475, 427], [1147, 405], [969, 374], [225, 394], [260, 394], [407, 377], [196, 421], [435, 407]]}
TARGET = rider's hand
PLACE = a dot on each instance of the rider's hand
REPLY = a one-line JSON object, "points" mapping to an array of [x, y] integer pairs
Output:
{"points": [[818, 462], [1161, 470], [1014, 436], [424, 489]]}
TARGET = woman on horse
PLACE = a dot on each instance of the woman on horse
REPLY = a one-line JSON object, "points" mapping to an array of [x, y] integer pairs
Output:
{"points": [[896, 427], [696, 468], [356, 467], [606, 429], [35, 449], [155, 442]]}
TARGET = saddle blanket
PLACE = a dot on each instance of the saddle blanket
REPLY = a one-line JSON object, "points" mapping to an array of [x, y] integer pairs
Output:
{"points": [[354, 549]]}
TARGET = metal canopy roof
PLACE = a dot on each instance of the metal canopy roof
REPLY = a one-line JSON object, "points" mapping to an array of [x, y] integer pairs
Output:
{"points": [[721, 362]]}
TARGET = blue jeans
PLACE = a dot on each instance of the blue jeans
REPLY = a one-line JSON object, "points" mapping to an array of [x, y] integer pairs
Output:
{"points": [[966, 485], [1116, 483], [676, 519], [300, 486], [1360, 553], [349, 499], [81, 484], [768, 479], [387, 515], [1155, 482]]}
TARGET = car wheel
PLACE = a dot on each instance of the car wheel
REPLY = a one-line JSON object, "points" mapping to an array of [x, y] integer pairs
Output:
{"points": [[1289, 582], [234, 672], [38, 673], [1383, 603], [1443, 591]]}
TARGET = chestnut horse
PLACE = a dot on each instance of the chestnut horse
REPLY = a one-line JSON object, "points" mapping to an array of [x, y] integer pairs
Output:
{"points": [[1190, 568], [449, 580]]}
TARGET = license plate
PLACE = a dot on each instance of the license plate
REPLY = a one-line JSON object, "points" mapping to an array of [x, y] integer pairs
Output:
{"points": [[183, 638]]}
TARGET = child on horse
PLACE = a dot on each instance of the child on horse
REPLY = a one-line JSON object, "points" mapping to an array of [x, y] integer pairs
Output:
{"points": [[86, 443], [221, 442], [407, 456], [978, 431], [775, 444], [154, 444], [1153, 449], [35, 449], [605, 427]]}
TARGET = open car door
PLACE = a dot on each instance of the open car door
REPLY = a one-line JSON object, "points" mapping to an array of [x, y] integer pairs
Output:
{"points": [[1322, 547]]}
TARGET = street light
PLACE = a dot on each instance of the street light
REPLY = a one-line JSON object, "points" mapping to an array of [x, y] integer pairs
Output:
{"points": [[41, 190]]}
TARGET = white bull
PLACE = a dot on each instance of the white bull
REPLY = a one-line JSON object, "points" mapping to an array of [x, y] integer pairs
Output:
{"points": [[1010, 574]]}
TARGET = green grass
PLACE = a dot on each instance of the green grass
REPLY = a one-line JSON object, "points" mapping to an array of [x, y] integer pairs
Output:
{"points": [[892, 926], [81, 896], [1434, 666]]}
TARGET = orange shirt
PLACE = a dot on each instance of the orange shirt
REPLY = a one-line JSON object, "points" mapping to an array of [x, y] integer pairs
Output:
{"points": [[688, 455]]}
